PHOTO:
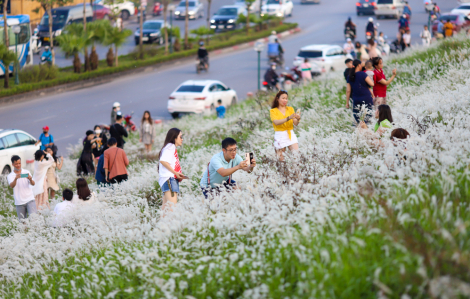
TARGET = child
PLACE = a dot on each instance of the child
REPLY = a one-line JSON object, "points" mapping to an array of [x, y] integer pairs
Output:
{"points": [[63, 207], [426, 36], [220, 109], [370, 73]]}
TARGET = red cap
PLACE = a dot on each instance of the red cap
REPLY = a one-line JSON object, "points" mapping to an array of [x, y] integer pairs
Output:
{"points": [[45, 128]]}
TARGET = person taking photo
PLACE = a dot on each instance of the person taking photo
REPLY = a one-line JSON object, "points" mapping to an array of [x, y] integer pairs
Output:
{"points": [[21, 181]]}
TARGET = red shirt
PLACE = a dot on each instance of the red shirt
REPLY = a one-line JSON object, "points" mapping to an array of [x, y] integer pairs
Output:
{"points": [[380, 90]]}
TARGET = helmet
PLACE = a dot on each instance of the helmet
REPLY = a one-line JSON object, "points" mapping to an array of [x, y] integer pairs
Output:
{"points": [[116, 104], [201, 44], [348, 39], [273, 64], [36, 30], [273, 32], [46, 47], [371, 19]]}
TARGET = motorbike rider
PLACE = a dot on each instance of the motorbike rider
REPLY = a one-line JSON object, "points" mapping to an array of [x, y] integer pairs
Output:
{"points": [[272, 38], [349, 47], [403, 22], [47, 55], [407, 10], [271, 77], [203, 55], [370, 27], [350, 24]]}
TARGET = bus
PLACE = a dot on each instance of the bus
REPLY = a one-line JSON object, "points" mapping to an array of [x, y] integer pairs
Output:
{"points": [[25, 54]]}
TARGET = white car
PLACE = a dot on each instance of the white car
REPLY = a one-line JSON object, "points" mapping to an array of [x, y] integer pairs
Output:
{"points": [[254, 7], [389, 8], [200, 96], [16, 142], [195, 10], [326, 57], [278, 8], [125, 9], [462, 9]]}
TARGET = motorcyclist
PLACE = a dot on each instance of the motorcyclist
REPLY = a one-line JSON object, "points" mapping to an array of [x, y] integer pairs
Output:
{"points": [[271, 77], [349, 47], [47, 55], [407, 10], [403, 22], [203, 55], [370, 27], [272, 38], [350, 24]]}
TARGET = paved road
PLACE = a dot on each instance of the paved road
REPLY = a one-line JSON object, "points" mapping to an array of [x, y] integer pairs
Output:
{"points": [[70, 114], [132, 24]]}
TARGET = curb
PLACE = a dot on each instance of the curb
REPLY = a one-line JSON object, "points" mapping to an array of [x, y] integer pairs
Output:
{"points": [[108, 78]]}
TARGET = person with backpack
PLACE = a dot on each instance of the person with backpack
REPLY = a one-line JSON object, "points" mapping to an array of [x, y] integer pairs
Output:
{"points": [[117, 131], [46, 139]]}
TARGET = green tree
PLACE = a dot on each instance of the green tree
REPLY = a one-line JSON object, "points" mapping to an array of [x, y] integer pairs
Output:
{"points": [[202, 32], [165, 4], [7, 57], [117, 38], [248, 4], [6, 39], [72, 44], [96, 34], [186, 26], [48, 5]]}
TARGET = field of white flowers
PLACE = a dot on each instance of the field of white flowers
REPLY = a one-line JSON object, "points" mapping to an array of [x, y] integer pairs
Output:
{"points": [[343, 220]]}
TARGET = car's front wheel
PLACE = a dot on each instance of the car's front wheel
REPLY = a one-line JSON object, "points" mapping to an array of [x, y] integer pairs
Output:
{"points": [[175, 115], [6, 170]]}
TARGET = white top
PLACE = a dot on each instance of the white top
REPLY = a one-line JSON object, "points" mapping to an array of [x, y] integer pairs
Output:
{"points": [[23, 191], [407, 38], [371, 75], [62, 211], [40, 171], [425, 34], [168, 155], [78, 201]]}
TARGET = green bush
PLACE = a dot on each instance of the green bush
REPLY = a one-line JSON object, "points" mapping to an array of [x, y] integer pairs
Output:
{"points": [[38, 73]]}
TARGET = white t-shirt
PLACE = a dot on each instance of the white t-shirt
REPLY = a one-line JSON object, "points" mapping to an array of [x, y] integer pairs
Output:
{"points": [[63, 206], [23, 191], [407, 38], [168, 155], [91, 200]]}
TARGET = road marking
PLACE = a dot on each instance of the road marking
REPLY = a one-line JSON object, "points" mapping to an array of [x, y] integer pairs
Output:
{"points": [[49, 117]]}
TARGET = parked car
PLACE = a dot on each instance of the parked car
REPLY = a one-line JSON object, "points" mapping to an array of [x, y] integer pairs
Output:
{"points": [[151, 32], [226, 17], [61, 17], [460, 21], [278, 8], [254, 7], [200, 96], [326, 57], [195, 10], [462, 9], [101, 12], [389, 8], [16, 142], [366, 7], [309, 1], [125, 9]]}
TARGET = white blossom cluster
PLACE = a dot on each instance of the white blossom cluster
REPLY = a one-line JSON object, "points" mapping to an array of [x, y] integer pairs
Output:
{"points": [[318, 209]]}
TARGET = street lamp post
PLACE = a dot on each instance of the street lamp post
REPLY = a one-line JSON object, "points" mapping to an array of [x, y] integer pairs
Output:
{"points": [[259, 45], [16, 31]]}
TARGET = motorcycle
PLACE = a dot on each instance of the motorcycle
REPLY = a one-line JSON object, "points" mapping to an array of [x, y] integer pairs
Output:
{"points": [[128, 124], [428, 6], [349, 33], [201, 65], [294, 76], [384, 47], [44, 60], [369, 35], [268, 87], [157, 9], [36, 42], [274, 55]]}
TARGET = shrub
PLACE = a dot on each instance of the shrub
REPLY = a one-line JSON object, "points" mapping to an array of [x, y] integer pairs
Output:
{"points": [[38, 73]]}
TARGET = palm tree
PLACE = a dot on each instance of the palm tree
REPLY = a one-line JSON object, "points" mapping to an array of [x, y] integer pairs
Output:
{"points": [[165, 4], [96, 33], [7, 57], [186, 26], [117, 38], [72, 45]]}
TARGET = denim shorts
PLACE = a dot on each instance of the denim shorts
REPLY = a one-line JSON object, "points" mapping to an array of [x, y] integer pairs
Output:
{"points": [[174, 186]]}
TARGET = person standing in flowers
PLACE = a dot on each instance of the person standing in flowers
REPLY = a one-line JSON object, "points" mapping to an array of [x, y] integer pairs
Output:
{"points": [[169, 168], [306, 69], [380, 81], [52, 177], [147, 131], [41, 164], [284, 119], [21, 181], [358, 89]]}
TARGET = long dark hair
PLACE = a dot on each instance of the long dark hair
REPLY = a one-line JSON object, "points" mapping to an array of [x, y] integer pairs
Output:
{"points": [[150, 117], [385, 113], [276, 98], [352, 71], [54, 155], [170, 138], [376, 61], [83, 191]]}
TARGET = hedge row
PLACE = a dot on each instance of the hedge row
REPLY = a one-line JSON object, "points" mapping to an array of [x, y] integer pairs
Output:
{"points": [[65, 76]]}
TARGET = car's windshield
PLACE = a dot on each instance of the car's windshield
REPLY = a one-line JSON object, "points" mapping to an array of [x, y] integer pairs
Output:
{"points": [[310, 54], [366, 1], [190, 3], [190, 88], [448, 18], [464, 7], [273, 2], [152, 25], [227, 12], [385, 2], [59, 18]]}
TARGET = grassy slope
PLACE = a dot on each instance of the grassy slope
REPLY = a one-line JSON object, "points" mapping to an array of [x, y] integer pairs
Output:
{"points": [[393, 235]]}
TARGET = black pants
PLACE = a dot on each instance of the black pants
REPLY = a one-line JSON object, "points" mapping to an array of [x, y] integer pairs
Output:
{"points": [[119, 178], [86, 161]]}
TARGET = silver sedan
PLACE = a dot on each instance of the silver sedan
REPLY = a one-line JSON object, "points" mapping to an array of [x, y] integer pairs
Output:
{"points": [[195, 9]]}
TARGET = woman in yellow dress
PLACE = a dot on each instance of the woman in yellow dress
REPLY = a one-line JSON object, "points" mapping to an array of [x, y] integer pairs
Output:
{"points": [[284, 119]]}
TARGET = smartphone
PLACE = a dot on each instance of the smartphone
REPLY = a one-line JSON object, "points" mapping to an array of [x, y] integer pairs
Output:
{"points": [[298, 111], [24, 175], [251, 157], [247, 159], [185, 177]]}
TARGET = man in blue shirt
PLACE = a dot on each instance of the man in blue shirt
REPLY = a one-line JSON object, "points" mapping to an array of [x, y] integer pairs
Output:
{"points": [[222, 166], [220, 109], [45, 139]]}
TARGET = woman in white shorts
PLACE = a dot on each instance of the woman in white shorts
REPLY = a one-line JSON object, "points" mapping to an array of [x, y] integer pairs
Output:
{"points": [[284, 119]]}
